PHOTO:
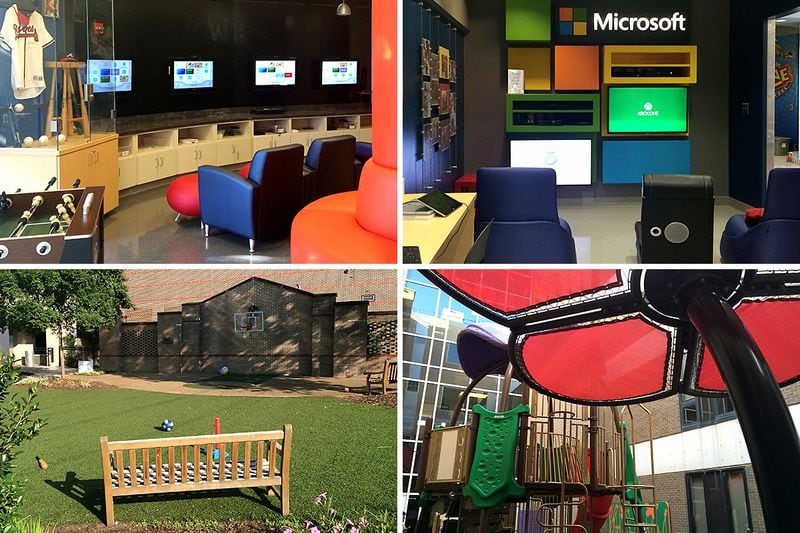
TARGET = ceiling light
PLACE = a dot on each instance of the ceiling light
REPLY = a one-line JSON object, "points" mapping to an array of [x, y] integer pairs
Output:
{"points": [[343, 10]]}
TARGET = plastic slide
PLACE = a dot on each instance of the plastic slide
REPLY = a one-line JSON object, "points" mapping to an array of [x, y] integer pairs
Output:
{"points": [[599, 511], [491, 480]]}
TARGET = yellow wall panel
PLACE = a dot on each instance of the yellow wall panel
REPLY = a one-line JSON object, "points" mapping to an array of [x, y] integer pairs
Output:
{"points": [[536, 64]]}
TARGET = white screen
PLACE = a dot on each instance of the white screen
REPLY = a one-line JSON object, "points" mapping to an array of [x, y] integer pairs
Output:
{"points": [[193, 74], [274, 72], [108, 75], [571, 159], [339, 72]]}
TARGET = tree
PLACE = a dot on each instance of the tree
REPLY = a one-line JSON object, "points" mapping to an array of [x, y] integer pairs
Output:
{"points": [[35, 300], [17, 424]]}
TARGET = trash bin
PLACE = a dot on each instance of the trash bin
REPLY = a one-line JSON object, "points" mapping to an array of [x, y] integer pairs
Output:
{"points": [[677, 219], [28, 358]]}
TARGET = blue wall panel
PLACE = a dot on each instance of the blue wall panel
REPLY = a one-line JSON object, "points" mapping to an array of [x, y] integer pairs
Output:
{"points": [[627, 161]]}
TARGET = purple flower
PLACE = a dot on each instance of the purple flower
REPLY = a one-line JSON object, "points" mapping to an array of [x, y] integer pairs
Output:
{"points": [[332, 511], [287, 530], [350, 522], [363, 522], [353, 529], [314, 529], [337, 528], [321, 498]]}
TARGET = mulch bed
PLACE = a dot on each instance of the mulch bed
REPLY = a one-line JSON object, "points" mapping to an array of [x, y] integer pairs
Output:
{"points": [[384, 400], [232, 527], [70, 383]]}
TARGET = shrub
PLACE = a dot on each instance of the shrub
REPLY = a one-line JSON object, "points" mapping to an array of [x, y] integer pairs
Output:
{"points": [[17, 425], [329, 520]]}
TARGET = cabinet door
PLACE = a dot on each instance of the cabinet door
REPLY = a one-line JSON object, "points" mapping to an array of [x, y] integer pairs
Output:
{"points": [[73, 166], [262, 142], [365, 135], [103, 171], [300, 138], [281, 140], [187, 158], [244, 150], [128, 173], [206, 154], [148, 165], [226, 152], [168, 163]]}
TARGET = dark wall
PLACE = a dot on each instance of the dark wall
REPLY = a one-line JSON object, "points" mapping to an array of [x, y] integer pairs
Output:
{"points": [[233, 33], [440, 168], [485, 91], [748, 89]]}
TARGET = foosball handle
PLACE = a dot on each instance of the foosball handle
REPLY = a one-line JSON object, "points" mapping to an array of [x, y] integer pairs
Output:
{"points": [[50, 183], [76, 183], [5, 202]]}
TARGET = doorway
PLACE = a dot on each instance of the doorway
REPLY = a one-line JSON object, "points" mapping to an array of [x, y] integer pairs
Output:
{"points": [[783, 91]]}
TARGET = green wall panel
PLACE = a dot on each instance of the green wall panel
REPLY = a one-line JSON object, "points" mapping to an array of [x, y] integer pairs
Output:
{"points": [[528, 20]]}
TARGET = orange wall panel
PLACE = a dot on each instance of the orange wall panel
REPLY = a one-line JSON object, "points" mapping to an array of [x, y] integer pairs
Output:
{"points": [[577, 68]]}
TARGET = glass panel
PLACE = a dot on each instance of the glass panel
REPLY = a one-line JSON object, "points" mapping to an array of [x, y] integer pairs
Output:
{"points": [[690, 414], [411, 407], [452, 354], [448, 400], [412, 371], [706, 410], [698, 503], [106, 72], [415, 349], [715, 502], [737, 496]]}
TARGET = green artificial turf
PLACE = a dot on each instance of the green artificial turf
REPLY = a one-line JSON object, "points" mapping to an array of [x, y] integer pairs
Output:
{"points": [[347, 450]]}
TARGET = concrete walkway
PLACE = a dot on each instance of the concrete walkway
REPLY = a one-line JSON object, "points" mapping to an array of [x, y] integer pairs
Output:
{"points": [[271, 387]]}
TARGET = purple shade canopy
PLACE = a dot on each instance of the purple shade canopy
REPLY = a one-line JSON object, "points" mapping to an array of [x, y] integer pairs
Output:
{"points": [[483, 348]]}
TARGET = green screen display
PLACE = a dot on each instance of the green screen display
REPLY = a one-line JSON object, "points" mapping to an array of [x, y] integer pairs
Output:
{"points": [[647, 110]]}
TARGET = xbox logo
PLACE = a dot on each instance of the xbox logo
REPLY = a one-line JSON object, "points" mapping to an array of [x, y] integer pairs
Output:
{"points": [[648, 111]]}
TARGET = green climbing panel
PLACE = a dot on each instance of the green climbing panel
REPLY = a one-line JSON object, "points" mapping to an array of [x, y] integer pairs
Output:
{"points": [[617, 519], [491, 480]]}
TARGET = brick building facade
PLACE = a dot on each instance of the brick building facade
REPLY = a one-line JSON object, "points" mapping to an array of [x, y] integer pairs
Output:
{"points": [[293, 331]]}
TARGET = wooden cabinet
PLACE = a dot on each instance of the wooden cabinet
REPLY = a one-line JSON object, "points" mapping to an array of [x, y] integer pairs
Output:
{"points": [[230, 151], [96, 164], [128, 172], [157, 164]]}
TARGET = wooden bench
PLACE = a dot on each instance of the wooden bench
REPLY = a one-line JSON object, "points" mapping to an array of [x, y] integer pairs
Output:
{"points": [[181, 464], [382, 377]]}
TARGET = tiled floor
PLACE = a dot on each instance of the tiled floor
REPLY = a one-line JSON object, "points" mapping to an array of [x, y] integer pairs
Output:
{"points": [[603, 227], [143, 230]]}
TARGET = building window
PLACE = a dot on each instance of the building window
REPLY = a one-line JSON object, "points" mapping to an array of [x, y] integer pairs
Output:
{"points": [[698, 412], [367, 297], [718, 501]]}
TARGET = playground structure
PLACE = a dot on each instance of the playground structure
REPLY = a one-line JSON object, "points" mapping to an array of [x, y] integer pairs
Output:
{"points": [[544, 466]]}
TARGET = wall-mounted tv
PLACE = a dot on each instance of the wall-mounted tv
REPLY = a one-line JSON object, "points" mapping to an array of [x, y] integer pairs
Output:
{"points": [[340, 72], [275, 72], [570, 158], [107, 75], [192, 74], [648, 110]]}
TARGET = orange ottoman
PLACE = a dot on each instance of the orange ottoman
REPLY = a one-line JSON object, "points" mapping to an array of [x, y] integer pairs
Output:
{"points": [[326, 231], [183, 196]]}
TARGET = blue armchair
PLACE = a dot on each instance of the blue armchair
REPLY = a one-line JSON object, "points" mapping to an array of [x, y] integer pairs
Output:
{"points": [[776, 237], [260, 206], [527, 228], [330, 167]]}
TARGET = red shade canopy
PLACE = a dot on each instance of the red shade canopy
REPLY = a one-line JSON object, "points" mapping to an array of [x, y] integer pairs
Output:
{"points": [[601, 337]]}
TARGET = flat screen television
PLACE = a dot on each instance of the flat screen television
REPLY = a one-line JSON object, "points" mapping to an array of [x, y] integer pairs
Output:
{"points": [[648, 110], [340, 72], [192, 74], [275, 72], [570, 158], [107, 75]]}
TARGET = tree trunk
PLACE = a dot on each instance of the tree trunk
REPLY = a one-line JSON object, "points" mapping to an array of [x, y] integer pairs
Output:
{"points": [[61, 354]]}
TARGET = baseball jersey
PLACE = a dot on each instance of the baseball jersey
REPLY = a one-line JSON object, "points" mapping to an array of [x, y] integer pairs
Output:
{"points": [[25, 37]]}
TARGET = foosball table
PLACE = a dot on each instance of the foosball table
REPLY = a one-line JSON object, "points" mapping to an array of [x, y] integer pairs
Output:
{"points": [[63, 226]]}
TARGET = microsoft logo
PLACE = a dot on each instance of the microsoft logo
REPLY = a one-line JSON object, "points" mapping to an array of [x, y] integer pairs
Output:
{"points": [[572, 21], [648, 111]]}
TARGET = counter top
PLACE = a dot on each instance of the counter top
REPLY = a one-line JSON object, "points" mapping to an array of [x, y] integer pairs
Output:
{"points": [[181, 119]]}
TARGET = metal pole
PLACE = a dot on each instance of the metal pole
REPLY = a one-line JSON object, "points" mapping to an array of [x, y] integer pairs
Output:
{"points": [[763, 416]]}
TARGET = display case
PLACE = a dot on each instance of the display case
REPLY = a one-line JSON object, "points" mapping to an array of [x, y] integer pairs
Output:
{"points": [[58, 82]]}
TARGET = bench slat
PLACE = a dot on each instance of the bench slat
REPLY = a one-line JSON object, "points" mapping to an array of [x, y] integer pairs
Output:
{"points": [[222, 462], [209, 462], [235, 461], [180, 487], [247, 454], [146, 465], [196, 474], [120, 466], [184, 473], [260, 459], [171, 459], [132, 464], [200, 439], [158, 466], [272, 466]]}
